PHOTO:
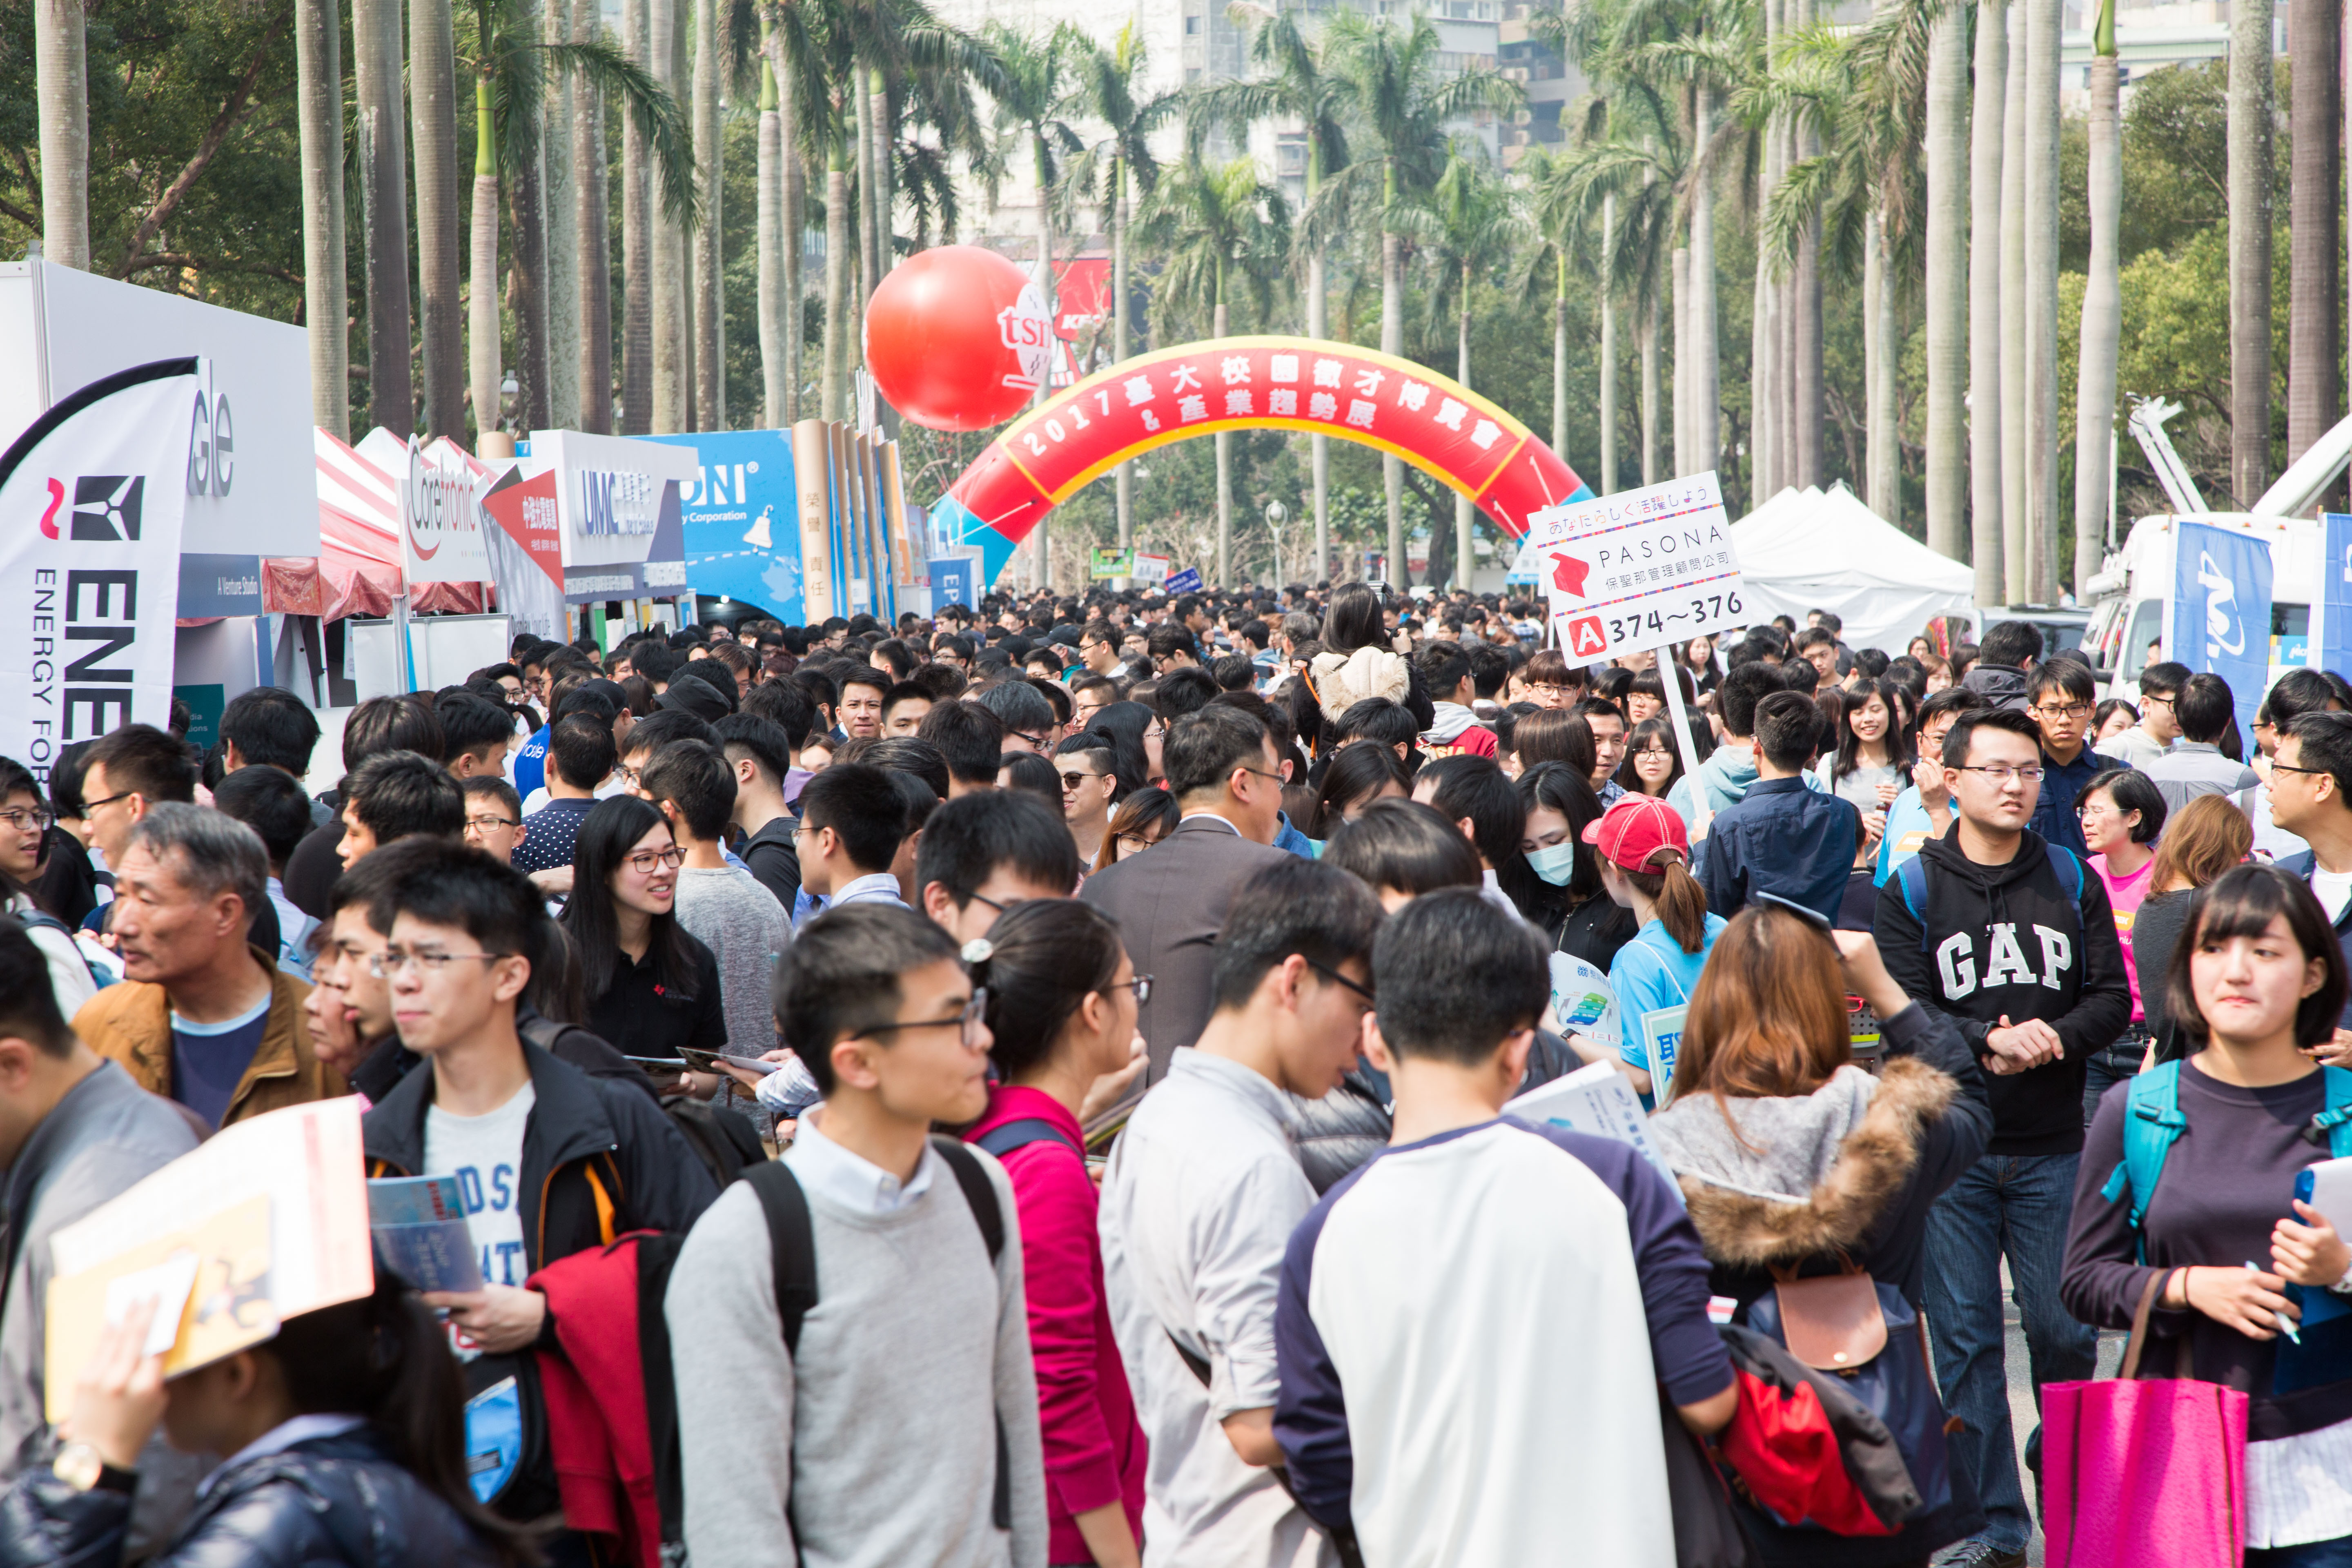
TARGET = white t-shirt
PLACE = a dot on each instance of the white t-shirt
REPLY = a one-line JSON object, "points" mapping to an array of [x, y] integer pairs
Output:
{"points": [[485, 1153], [2333, 888]]}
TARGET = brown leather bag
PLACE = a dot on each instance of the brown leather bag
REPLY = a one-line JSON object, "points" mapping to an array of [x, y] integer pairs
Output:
{"points": [[1832, 1322]]}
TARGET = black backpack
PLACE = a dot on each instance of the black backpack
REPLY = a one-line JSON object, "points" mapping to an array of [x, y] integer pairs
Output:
{"points": [[722, 1138]]}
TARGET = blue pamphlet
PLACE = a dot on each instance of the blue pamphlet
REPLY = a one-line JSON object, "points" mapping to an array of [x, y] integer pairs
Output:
{"points": [[418, 1223]]}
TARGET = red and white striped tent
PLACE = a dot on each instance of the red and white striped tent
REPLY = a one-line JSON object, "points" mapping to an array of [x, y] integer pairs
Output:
{"points": [[357, 570]]}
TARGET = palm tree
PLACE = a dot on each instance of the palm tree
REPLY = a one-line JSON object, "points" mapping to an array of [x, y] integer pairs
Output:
{"points": [[1985, 407], [1292, 83], [592, 242], [1209, 224], [63, 85], [318, 69], [2314, 231], [1947, 293], [2103, 306], [2044, 26], [636, 240], [433, 111], [558, 196], [1390, 75], [2017, 566], [1560, 225], [710, 366], [2250, 109], [667, 272], [777, 374], [383, 147], [1467, 224]]}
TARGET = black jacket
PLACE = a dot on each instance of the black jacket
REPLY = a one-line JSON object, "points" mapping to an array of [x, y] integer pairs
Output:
{"points": [[2302, 865], [2002, 940], [388, 1061], [330, 1500]]}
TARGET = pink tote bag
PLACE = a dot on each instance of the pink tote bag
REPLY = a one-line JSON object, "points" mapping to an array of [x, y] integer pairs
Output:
{"points": [[2150, 1472]]}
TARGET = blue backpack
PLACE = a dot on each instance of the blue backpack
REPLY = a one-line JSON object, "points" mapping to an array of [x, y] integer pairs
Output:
{"points": [[1911, 881], [2153, 1123]]}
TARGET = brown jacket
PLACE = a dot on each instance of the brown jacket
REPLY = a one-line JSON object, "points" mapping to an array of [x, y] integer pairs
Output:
{"points": [[131, 1023]]}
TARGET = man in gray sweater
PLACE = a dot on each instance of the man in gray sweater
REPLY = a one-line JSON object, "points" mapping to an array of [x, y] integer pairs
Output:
{"points": [[722, 906], [877, 1444]]}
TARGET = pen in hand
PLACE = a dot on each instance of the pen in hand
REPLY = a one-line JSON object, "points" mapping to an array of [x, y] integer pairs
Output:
{"points": [[2285, 1324]]}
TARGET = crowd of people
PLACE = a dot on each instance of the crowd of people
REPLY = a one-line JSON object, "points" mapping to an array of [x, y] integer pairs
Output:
{"points": [[1034, 1087]]}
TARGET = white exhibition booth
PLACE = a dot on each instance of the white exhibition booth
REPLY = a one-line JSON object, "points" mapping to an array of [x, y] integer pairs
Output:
{"points": [[1825, 550]]}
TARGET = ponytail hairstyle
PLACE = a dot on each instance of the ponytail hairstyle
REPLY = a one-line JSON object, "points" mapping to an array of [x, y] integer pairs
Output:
{"points": [[1682, 902], [386, 1358], [1045, 957]]}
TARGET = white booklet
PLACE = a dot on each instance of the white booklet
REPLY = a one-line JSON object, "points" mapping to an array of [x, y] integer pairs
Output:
{"points": [[1597, 1100]]}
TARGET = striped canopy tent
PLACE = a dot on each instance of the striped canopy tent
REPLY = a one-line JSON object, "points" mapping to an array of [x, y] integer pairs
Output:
{"points": [[357, 570]]}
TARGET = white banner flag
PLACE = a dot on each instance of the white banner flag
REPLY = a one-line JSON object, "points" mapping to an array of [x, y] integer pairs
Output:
{"points": [[92, 496]]}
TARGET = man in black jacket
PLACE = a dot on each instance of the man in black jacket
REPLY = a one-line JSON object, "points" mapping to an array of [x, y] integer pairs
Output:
{"points": [[548, 1161], [2012, 938]]}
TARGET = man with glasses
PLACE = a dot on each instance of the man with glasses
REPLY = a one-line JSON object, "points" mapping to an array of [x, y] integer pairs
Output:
{"points": [[2310, 792], [1089, 780], [1098, 647], [2012, 938], [201, 1017], [126, 774], [981, 853], [796, 1438], [549, 1161], [494, 823], [1202, 1195], [2152, 737], [2207, 713], [2060, 698]]}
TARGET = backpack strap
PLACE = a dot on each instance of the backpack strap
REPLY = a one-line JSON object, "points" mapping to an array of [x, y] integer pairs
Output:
{"points": [[978, 1191], [2334, 1125], [2152, 1123], [1003, 1139], [1911, 881], [792, 1240], [2069, 868]]}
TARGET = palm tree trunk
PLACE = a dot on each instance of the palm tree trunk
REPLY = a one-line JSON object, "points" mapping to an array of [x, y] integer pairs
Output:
{"points": [[1652, 330], [433, 111], [62, 82], [1684, 446], [1225, 451], [2314, 233], [680, 84], [775, 372], [1948, 284], [319, 72], [1123, 480], [376, 56], [1608, 410], [791, 223], [1887, 464], [709, 370], [591, 240], [484, 371], [637, 239], [832, 395], [1873, 358], [665, 292], [1463, 554], [1809, 404], [2250, 108], [1986, 410], [869, 218], [526, 217], [2017, 576], [559, 196], [1318, 446], [1392, 343], [1045, 288], [2103, 316], [1705, 366], [1559, 352], [2046, 18]]}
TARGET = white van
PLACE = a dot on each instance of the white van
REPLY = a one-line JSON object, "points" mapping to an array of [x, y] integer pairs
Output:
{"points": [[2131, 598]]}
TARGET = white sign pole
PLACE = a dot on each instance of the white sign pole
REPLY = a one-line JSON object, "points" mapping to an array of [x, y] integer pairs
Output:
{"points": [[1700, 813]]}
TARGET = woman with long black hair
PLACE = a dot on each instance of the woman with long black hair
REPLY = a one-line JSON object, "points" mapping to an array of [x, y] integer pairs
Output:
{"points": [[1556, 884], [651, 986]]}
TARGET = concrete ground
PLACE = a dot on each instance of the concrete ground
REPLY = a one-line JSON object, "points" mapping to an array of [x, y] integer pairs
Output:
{"points": [[2022, 1415]]}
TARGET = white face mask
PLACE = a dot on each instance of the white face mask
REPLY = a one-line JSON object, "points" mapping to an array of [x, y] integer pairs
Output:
{"points": [[1555, 864]]}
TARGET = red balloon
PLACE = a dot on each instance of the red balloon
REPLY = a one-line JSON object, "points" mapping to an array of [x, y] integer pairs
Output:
{"points": [[958, 338]]}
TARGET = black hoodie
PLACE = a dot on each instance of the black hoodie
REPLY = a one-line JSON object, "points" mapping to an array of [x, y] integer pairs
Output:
{"points": [[2002, 941]]}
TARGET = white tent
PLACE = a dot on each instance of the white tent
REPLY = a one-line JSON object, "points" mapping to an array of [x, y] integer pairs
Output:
{"points": [[1823, 550]]}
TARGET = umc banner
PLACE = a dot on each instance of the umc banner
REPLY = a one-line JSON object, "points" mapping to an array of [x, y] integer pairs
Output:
{"points": [[92, 496]]}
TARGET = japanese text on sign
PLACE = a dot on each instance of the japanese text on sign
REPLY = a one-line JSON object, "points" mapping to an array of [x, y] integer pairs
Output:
{"points": [[1641, 569]]}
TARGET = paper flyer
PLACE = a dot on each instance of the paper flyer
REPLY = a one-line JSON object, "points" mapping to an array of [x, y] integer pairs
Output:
{"points": [[418, 1223], [1599, 1099]]}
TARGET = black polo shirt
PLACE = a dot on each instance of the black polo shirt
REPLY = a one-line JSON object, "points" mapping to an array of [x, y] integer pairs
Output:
{"points": [[643, 1015], [775, 860]]}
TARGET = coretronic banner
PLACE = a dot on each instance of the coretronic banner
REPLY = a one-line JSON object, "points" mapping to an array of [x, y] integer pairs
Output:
{"points": [[2222, 612], [93, 494]]}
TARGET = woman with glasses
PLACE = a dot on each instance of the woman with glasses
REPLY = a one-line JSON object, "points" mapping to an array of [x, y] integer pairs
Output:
{"points": [[1652, 760], [1062, 1000], [651, 986], [2122, 812], [24, 822], [1143, 819]]}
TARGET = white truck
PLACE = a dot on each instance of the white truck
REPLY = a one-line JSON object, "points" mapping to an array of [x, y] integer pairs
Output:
{"points": [[2130, 600]]}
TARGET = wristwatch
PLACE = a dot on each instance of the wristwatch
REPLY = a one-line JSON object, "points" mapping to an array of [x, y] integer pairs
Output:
{"points": [[80, 1467], [2342, 1287]]}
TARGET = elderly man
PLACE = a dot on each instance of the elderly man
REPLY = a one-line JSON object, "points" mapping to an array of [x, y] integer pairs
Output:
{"points": [[200, 1015]]}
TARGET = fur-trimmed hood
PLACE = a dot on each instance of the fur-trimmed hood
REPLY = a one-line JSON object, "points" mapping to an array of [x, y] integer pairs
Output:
{"points": [[1848, 1148], [1342, 681]]}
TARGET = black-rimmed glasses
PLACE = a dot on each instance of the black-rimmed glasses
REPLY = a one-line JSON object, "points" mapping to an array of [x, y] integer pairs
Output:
{"points": [[1328, 972], [967, 1020]]}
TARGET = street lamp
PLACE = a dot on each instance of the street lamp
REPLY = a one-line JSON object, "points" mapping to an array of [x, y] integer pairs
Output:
{"points": [[1277, 514]]}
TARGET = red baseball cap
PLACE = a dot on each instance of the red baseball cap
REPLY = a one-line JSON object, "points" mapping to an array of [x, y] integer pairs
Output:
{"points": [[1635, 830]]}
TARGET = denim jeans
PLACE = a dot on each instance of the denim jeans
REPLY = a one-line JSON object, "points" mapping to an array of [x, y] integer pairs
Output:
{"points": [[2103, 1072], [2017, 1205], [2335, 1553]]}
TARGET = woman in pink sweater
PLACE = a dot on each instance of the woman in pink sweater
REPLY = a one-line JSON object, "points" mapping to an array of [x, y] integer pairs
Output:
{"points": [[1062, 1001]]}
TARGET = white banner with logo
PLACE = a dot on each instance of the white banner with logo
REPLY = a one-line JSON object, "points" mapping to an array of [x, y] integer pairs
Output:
{"points": [[441, 538], [1642, 569], [93, 495]]}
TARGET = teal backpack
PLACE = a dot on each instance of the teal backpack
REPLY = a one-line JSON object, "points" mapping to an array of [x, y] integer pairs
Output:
{"points": [[2152, 1123]]}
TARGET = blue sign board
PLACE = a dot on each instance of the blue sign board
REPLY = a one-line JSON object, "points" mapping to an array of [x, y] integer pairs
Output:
{"points": [[741, 520], [2335, 593], [954, 582], [1188, 581], [2221, 611]]}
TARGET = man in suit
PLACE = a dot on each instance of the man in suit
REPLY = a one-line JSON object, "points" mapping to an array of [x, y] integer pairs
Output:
{"points": [[1171, 899]]}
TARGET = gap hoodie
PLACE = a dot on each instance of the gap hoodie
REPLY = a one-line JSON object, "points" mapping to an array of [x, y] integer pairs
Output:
{"points": [[2005, 940]]}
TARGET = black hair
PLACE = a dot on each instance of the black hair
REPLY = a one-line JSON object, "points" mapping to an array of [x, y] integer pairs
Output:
{"points": [[2011, 720], [818, 686], [863, 807], [2205, 707], [1202, 749], [910, 755], [28, 1003], [1374, 719], [2324, 743], [1298, 906], [270, 727], [1233, 672], [1355, 775], [498, 789], [468, 723], [395, 793], [1137, 814], [454, 885], [1098, 751], [1787, 727], [746, 734], [1741, 691], [1443, 666], [1168, 638], [2070, 676], [1456, 977], [2165, 677], [840, 976], [2016, 644], [1045, 957], [390, 724], [1853, 701], [267, 800], [1017, 705], [607, 835], [1815, 636], [666, 727], [141, 759], [1556, 786], [905, 691], [1404, 844], [1951, 700], [1628, 776], [967, 840], [1478, 788], [693, 776], [1353, 620], [1182, 692], [969, 736], [580, 750], [786, 704], [586, 702], [655, 660], [1033, 774], [2131, 790], [2242, 901], [879, 681]]}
